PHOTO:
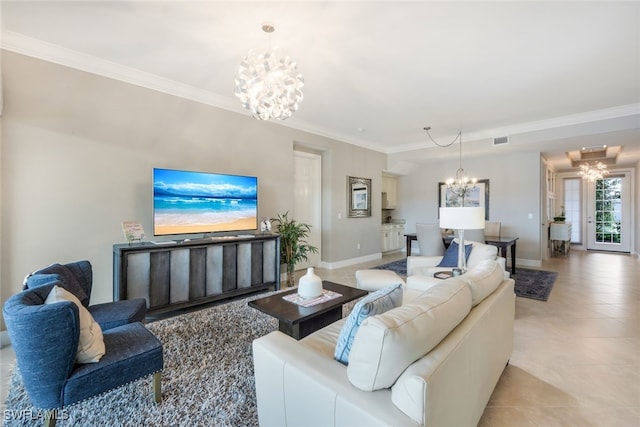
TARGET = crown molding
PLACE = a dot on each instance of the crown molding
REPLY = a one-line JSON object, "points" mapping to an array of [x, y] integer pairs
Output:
{"points": [[534, 126], [36, 48], [19, 43]]}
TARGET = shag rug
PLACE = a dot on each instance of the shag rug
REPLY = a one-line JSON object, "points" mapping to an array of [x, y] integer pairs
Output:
{"points": [[533, 284], [207, 379]]}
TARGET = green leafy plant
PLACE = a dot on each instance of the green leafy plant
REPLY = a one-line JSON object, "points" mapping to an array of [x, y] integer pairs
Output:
{"points": [[293, 244]]}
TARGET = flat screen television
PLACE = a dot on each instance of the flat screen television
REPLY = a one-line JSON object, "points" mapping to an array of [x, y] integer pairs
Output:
{"points": [[186, 202]]}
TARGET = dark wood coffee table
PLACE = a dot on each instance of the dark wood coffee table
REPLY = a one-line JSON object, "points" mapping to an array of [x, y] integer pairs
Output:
{"points": [[298, 321]]}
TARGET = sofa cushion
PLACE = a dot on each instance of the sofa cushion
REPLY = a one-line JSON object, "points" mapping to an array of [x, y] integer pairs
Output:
{"points": [[375, 303], [58, 272], [134, 352], [373, 279], [91, 344], [450, 258], [483, 279], [387, 344], [481, 251], [422, 282], [117, 313]]}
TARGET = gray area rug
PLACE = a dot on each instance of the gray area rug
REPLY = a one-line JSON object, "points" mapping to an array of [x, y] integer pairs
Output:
{"points": [[207, 380], [533, 284]]}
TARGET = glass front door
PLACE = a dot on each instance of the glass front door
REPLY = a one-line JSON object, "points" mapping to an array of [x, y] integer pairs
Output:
{"points": [[609, 214]]}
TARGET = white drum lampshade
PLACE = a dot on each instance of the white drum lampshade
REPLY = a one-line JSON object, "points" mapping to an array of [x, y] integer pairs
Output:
{"points": [[462, 218]]}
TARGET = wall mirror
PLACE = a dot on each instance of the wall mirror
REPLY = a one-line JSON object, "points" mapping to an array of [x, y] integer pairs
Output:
{"points": [[359, 197]]}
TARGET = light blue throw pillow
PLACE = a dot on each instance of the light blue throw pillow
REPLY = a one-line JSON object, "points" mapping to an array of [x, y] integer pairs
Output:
{"points": [[450, 258], [375, 303]]}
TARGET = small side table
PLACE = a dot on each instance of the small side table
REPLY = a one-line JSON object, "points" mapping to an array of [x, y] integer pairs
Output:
{"points": [[560, 237], [502, 243]]}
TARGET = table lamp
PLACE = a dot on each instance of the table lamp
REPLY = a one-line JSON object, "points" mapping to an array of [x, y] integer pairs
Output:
{"points": [[464, 218]]}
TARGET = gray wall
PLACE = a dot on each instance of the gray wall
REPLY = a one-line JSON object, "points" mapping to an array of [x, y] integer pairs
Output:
{"points": [[514, 187], [636, 193], [76, 159], [76, 153]]}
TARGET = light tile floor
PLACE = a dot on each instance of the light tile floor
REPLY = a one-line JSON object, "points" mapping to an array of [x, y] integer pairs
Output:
{"points": [[576, 358]]}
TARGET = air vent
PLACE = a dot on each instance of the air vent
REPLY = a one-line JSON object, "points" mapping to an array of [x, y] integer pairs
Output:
{"points": [[501, 140]]}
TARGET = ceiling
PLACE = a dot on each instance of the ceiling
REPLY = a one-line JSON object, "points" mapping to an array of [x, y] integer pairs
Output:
{"points": [[552, 76]]}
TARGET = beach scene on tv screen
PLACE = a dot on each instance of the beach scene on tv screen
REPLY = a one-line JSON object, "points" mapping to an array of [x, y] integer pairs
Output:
{"points": [[197, 202]]}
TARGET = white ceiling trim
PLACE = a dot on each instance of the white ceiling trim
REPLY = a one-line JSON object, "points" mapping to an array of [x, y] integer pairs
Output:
{"points": [[29, 46], [521, 128], [19, 43]]}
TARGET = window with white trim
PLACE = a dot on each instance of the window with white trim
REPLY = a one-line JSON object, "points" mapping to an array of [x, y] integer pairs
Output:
{"points": [[572, 207]]}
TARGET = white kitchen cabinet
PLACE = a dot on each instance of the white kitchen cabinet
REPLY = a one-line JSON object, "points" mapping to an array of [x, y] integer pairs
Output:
{"points": [[386, 240], [392, 237], [389, 191]]}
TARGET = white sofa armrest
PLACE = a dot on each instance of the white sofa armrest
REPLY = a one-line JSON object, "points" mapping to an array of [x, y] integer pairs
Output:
{"points": [[297, 385], [503, 263], [415, 262]]}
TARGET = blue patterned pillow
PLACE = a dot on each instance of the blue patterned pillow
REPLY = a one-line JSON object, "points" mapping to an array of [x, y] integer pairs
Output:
{"points": [[375, 303], [450, 258]]}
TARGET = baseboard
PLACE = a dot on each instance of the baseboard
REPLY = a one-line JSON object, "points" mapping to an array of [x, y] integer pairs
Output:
{"points": [[349, 262], [4, 339], [527, 262]]}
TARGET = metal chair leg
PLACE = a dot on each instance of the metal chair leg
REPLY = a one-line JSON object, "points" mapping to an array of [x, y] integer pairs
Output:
{"points": [[157, 387], [50, 418]]}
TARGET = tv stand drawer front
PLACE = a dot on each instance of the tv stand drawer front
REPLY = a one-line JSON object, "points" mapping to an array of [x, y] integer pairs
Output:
{"points": [[177, 276]]}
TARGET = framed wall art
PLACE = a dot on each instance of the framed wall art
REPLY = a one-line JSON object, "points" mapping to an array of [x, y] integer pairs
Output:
{"points": [[476, 196], [359, 197]]}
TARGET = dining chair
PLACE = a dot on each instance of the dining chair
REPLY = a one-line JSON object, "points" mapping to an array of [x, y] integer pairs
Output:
{"points": [[471, 235], [429, 239]]}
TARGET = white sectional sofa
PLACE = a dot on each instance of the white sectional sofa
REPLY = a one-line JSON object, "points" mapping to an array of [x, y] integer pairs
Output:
{"points": [[433, 361]]}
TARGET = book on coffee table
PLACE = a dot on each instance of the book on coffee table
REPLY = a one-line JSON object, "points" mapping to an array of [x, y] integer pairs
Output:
{"points": [[443, 274], [327, 295]]}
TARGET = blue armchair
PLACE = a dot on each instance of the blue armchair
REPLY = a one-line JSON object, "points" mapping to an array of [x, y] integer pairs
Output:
{"points": [[45, 340], [77, 278]]}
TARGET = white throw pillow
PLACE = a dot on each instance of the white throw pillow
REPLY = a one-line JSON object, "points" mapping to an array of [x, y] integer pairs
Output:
{"points": [[386, 344], [480, 252], [91, 344], [375, 303]]}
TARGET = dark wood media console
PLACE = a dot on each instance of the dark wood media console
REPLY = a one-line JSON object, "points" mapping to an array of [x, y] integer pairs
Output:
{"points": [[183, 274]]}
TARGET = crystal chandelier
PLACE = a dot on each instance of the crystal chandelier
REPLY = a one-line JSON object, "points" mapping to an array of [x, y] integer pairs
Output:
{"points": [[461, 185], [593, 173], [267, 86]]}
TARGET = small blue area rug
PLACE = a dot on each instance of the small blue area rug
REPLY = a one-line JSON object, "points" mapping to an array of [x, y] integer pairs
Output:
{"points": [[533, 284], [399, 267]]}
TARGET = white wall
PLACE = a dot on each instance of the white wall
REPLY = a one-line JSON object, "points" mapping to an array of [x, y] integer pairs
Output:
{"points": [[637, 217], [364, 232], [514, 184], [76, 159]]}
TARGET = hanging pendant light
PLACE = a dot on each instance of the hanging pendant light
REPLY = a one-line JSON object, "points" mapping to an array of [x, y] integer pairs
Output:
{"points": [[461, 185], [268, 86], [593, 173]]}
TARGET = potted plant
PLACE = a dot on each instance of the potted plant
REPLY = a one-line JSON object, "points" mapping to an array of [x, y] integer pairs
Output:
{"points": [[561, 217], [293, 245]]}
